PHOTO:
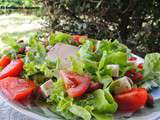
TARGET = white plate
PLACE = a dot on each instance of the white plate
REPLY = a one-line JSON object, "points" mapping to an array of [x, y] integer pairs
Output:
{"points": [[42, 113]]}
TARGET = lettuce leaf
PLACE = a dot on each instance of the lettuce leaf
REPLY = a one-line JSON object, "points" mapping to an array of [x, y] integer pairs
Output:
{"points": [[105, 80], [104, 102], [10, 41], [77, 65], [107, 52], [58, 91], [60, 102], [100, 104], [103, 60], [86, 51], [36, 62], [80, 111], [102, 116], [32, 68], [152, 67], [37, 50], [59, 37], [109, 46], [119, 58]]}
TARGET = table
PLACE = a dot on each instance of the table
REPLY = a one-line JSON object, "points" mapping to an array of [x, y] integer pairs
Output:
{"points": [[8, 113]]}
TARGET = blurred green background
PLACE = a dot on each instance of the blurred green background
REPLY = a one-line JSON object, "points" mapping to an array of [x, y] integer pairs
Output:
{"points": [[135, 23]]}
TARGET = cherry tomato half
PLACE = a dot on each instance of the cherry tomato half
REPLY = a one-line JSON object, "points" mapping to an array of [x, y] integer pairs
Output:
{"points": [[131, 100], [76, 85], [77, 38], [140, 66], [13, 69], [132, 59]]}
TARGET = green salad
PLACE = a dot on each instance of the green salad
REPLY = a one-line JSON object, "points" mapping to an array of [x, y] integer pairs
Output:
{"points": [[78, 77]]}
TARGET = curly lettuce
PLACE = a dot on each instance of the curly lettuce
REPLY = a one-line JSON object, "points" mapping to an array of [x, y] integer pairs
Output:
{"points": [[37, 66], [97, 55]]}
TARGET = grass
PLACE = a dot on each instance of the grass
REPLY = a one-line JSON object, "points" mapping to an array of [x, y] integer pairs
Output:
{"points": [[18, 23], [19, 26]]}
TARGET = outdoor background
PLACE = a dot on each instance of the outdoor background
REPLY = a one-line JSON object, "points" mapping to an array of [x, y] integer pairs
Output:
{"points": [[135, 23]]}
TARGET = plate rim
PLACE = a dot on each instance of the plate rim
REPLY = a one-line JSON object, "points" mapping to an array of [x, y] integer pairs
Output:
{"points": [[22, 110]]}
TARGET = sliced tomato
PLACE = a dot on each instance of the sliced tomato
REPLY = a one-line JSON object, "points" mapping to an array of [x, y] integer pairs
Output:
{"points": [[13, 69], [132, 59], [77, 38], [131, 100], [76, 85], [4, 61], [15, 88], [140, 66]]}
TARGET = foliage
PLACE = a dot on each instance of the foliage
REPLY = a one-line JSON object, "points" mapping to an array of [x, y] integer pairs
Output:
{"points": [[134, 22], [23, 6], [17, 3]]}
